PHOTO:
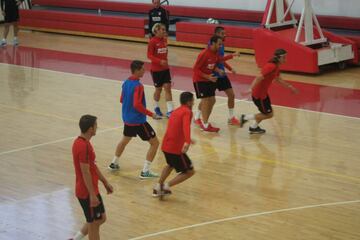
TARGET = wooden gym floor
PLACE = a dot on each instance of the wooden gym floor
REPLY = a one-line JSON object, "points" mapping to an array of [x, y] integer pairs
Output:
{"points": [[298, 181]]}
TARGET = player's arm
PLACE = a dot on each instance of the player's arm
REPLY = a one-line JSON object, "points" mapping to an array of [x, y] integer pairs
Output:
{"points": [[200, 61], [121, 98], [138, 105], [107, 185], [255, 82], [286, 84], [187, 131], [85, 172]]}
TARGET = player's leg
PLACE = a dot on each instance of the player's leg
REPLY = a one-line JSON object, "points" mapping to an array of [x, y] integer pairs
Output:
{"points": [[168, 98], [207, 105], [5, 33], [16, 31], [147, 133], [231, 105], [129, 133]]}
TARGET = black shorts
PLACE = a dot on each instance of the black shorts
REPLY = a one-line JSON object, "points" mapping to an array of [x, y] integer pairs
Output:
{"points": [[92, 213], [181, 163], [264, 105], [144, 131], [160, 78], [223, 83], [204, 89], [11, 11]]}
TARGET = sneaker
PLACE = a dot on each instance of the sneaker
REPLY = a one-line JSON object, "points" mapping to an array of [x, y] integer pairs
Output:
{"points": [[158, 111], [242, 120], [233, 121], [148, 174], [161, 192], [3, 43], [114, 167], [168, 114], [257, 130], [16, 42], [198, 122], [210, 128]]}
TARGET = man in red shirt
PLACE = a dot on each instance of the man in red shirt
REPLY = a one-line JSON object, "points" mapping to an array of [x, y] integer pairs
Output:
{"points": [[157, 53], [205, 81], [259, 89], [175, 144], [87, 176]]}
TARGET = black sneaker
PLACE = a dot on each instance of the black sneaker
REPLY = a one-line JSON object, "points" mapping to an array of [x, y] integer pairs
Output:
{"points": [[257, 130], [242, 120], [114, 167]]}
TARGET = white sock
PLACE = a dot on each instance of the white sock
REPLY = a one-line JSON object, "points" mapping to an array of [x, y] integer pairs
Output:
{"points": [[146, 166], [205, 124], [15, 38], [115, 160], [156, 103], [166, 186], [254, 125], [3, 40], [249, 117], [231, 112], [170, 106], [78, 236], [197, 114]]}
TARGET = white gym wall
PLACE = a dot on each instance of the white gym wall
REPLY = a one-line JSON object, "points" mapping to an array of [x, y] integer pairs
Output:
{"points": [[350, 8]]}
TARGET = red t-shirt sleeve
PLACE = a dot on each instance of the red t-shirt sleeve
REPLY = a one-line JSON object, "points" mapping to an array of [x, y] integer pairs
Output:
{"points": [[151, 52], [138, 105], [199, 64], [267, 69], [228, 67], [227, 57], [83, 154], [186, 126]]}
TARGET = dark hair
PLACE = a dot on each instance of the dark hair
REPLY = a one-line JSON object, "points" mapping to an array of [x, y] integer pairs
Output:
{"points": [[218, 29], [186, 97], [277, 54], [214, 39], [86, 122], [136, 65]]}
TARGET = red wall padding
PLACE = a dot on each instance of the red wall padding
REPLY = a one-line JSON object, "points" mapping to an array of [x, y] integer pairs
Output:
{"points": [[125, 26], [299, 59], [130, 22], [200, 12]]}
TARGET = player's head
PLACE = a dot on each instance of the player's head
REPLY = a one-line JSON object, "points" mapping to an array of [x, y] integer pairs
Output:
{"points": [[137, 68], [156, 3], [88, 124], [215, 42], [159, 30], [187, 98], [220, 31], [279, 56]]}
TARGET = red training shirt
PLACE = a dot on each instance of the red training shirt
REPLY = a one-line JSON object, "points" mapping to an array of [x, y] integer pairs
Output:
{"points": [[178, 130], [83, 152], [206, 63], [157, 51], [270, 71]]}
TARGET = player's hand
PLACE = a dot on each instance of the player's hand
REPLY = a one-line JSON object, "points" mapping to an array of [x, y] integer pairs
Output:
{"points": [[236, 54], [221, 72], [109, 188], [163, 62], [156, 117], [233, 71], [192, 141], [246, 92], [94, 201], [185, 148], [212, 78]]}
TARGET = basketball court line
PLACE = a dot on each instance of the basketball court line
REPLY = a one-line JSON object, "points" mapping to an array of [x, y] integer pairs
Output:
{"points": [[177, 90], [244, 217]]}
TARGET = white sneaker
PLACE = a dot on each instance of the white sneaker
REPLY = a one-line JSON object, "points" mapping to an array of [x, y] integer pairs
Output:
{"points": [[16, 42], [3, 43]]}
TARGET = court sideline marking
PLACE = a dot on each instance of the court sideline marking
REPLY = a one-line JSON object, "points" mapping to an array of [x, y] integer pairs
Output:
{"points": [[244, 217]]}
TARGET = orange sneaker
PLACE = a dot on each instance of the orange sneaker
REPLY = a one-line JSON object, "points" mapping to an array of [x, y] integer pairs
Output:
{"points": [[210, 128], [234, 121]]}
